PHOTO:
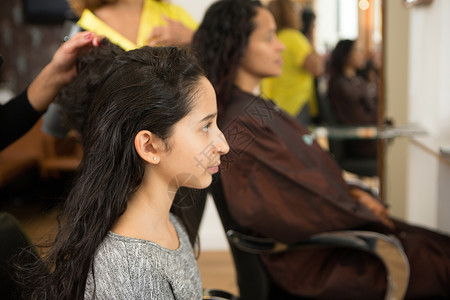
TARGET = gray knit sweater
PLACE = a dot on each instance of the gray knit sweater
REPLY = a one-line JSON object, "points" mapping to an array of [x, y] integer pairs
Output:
{"points": [[129, 268]]}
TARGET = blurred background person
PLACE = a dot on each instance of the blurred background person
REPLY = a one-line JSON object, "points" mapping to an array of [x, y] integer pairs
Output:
{"points": [[130, 24], [308, 24], [353, 97], [135, 23], [294, 91]]}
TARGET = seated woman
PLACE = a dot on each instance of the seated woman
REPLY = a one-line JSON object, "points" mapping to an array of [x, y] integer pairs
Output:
{"points": [[279, 183], [151, 118], [353, 98]]}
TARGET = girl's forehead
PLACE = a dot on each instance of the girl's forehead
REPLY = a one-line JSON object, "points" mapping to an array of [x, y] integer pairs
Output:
{"points": [[204, 99]]}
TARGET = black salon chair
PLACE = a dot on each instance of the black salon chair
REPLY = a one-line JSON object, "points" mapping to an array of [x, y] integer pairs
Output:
{"points": [[363, 167], [255, 283]]}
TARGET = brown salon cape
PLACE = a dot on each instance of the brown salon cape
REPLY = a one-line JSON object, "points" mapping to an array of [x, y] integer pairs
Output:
{"points": [[354, 103], [279, 183]]}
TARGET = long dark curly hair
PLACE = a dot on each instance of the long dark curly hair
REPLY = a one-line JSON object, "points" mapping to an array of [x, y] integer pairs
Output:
{"points": [[144, 89], [221, 41]]}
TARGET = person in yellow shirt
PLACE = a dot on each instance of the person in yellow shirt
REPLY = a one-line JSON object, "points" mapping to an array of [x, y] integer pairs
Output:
{"points": [[135, 23], [130, 24], [294, 90]]}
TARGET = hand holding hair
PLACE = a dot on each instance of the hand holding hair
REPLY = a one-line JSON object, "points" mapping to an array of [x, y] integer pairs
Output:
{"points": [[60, 71]]}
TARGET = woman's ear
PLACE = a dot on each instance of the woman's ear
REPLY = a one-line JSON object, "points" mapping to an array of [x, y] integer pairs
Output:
{"points": [[146, 145]]}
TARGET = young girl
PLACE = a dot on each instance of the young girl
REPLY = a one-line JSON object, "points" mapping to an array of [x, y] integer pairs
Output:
{"points": [[151, 128], [279, 183], [131, 24]]}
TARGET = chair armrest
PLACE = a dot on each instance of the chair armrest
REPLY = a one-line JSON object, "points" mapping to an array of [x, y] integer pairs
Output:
{"points": [[261, 245], [213, 294], [255, 245], [386, 247]]}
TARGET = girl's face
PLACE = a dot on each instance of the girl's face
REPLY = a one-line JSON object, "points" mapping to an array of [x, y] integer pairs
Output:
{"points": [[262, 58], [356, 58], [196, 144]]}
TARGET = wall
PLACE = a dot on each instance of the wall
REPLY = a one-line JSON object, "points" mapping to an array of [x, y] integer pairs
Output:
{"points": [[335, 20], [196, 8], [428, 188], [396, 67], [417, 77], [430, 67]]}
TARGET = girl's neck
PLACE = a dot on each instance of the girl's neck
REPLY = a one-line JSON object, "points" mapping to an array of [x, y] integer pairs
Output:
{"points": [[147, 215]]}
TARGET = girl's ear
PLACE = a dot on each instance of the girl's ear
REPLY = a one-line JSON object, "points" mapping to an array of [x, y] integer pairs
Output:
{"points": [[147, 146]]}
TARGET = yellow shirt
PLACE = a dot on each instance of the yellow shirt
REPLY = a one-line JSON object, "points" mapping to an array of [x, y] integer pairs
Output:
{"points": [[295, 86], [152, 16]]}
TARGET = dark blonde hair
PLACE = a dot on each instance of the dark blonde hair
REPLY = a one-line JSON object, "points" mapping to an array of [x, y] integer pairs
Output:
{"points": [[79, 5], [284, 14]]}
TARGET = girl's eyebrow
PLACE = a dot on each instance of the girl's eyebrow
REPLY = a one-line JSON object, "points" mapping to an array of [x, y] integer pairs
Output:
{"points": [[208, 117]]}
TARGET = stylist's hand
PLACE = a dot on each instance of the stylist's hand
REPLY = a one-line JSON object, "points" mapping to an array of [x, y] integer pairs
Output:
{"points": [[64, 59], [60, 71], [374, 205], [172, 34]]}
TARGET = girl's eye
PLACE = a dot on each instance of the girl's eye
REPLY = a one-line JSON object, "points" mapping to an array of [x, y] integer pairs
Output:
{"points": [[205, 128]]}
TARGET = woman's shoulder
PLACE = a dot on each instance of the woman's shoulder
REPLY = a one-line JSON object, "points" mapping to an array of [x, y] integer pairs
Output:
{"points": [[240, 103], [247, 110]]}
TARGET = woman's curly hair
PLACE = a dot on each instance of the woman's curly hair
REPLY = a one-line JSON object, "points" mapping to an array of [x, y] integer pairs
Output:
{"points": [[221, 41]]}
